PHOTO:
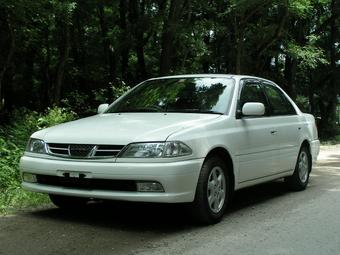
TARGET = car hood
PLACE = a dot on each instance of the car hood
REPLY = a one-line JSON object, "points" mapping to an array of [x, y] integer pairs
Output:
{"points": [[122, 128]]}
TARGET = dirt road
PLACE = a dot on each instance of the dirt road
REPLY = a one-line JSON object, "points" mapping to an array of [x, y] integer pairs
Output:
{"points": [[266, 219]]}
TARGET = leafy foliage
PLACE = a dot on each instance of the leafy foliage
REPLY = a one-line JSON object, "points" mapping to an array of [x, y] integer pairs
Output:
{"points": [[303, 103], [82, 103], [55, 116], [309, 56], [78, 54], [13, 138]]}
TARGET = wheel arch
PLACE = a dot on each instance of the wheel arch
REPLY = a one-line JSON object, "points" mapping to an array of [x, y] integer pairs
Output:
{"points": [[305, 142], [225, 155]]}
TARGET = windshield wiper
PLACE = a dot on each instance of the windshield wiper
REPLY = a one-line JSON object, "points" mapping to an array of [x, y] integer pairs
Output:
{"points": [[142, 109], [196, 111], [152, 109], [212, 112]]}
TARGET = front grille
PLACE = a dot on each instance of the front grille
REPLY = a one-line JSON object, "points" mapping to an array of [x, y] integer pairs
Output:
{"points": [[108, 150], [87, 184], [84, 150], [80, 150], [59, 148]]}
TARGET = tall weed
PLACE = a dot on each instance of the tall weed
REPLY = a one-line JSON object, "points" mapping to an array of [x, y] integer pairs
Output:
{"points": [[13, 139]]}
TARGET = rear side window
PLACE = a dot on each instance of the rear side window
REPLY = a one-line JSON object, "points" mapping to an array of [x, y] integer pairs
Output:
{"points": [[278, 101]]}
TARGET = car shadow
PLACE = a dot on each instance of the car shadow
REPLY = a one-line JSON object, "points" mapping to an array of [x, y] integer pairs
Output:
{"points": [[123, 216], [162, 218], [255, 195]]}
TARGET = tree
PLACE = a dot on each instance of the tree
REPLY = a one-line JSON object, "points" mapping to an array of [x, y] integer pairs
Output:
{"points": [[54, 52]]}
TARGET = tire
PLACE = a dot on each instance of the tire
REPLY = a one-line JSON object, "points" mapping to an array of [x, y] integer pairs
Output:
{"points": [[67, 202], [299, 180], [213, 192]]}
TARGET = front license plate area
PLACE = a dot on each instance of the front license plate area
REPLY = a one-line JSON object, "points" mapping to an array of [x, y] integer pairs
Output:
{"points": [[74, 182], [74, 174], [74, 179]]}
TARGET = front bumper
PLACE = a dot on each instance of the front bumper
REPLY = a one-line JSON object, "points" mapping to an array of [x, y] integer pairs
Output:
{"points": [[179, 179]]}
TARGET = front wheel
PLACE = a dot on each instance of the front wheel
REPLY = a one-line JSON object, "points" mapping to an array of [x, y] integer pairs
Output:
{"points": [[299, 180], [212, 192]]}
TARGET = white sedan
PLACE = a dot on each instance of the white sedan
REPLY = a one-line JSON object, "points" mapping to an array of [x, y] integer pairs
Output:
{"points": [[179, 139]]}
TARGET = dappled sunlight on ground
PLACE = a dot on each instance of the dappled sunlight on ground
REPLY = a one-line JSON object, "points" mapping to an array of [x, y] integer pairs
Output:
{"points": [[328, 160], [337, 190], [328, 170]]}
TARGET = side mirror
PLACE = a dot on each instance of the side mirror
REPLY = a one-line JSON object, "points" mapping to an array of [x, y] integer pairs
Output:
{"points": [[102, 108], [253, 109]]}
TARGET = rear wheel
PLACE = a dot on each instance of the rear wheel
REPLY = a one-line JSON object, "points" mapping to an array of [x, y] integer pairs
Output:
{"points": [[67, 202], [212, 192], [299, 179]]}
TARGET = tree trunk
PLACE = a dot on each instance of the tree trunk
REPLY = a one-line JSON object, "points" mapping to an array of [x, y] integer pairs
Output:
{"points": [[77, 47], [108, 49], [328, 106], [46, 63], [64, 54], [125, 47], [239, 48], [8, 60], [168, 36], [259, 53], [290, 74], [205, 61], [331, 120], [137, 9], [311, 95]]}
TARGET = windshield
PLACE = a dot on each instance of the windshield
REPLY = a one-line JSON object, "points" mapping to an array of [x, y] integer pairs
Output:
{"points": [[198, 95]]}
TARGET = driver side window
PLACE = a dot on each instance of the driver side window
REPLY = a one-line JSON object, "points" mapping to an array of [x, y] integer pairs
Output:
{"points": [[252, 92]]}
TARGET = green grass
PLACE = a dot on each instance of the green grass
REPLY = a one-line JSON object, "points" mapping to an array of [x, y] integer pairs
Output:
{"points": [[16, 198], [12, 195]]}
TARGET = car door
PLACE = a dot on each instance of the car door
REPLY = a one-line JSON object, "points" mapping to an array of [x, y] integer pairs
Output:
{"points": [[257, 142], [287, 126]]}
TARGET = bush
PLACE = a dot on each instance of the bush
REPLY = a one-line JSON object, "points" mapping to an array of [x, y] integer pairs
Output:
{"points": [[111, 93], [85, 105], [13, 139], [79, 102], [55, 116], [303, 103]]}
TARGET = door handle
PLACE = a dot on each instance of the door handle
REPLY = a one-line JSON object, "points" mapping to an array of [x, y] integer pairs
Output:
{"points": [[273, 132]]}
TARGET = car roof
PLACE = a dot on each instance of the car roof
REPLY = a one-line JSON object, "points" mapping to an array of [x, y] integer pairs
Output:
{"points": [[236, 76]]}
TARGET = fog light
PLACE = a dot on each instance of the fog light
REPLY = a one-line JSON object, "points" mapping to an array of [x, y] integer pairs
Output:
{"points": [[28, 177], [149, 187]]}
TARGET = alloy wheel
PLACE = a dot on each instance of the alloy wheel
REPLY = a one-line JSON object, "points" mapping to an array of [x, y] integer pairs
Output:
{"points": [[303, 166], [216, 189]]}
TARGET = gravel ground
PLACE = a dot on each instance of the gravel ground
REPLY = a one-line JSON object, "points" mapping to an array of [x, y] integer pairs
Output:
{"points": [[266, 219]]}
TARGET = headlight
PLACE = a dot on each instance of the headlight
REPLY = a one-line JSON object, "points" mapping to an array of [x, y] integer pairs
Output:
{"points": [[156, 150], [36, 146], [176, 149]]}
